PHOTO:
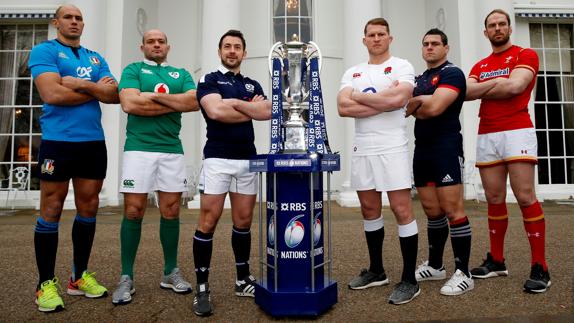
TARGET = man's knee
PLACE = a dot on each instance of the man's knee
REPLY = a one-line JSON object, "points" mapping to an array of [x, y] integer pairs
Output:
{"points": [[495, 197], [134, 211], [525, 197]]}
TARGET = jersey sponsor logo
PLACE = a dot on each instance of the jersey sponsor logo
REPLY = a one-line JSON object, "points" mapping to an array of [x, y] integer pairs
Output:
{"points": [[447, 179], [128, 183], [175, 75], [84, 72], [495, 73], [250, 87], [146, 71], [388, 70], [356, 75], [435, 80], [161, 88], [224, 82], [94, 60], [62, 55], [48, 166]]}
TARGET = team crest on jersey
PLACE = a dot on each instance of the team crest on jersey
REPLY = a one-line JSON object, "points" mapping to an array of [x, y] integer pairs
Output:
{"points": [[175, 75], [48, 166], [62, 55], [388, 70], [356, 75], [434, 80], [508, 59], [161, 88], [94, 60], [250, 87]]}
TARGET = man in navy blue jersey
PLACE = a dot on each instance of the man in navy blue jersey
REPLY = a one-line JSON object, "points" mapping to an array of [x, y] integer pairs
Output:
{"points": [[438, 163], [229, 102], [72, 81]]}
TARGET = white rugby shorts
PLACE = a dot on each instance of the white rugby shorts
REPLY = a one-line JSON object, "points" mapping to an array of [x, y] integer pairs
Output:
{"points": [[510, 146], [144, 172], [219, 175], [386, 172]]}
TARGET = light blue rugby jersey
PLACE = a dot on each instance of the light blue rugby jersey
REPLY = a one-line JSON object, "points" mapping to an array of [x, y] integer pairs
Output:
{"points": [[70, 123]]}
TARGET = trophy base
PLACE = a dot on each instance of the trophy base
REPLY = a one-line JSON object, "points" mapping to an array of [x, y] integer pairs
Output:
{"points": [[300, 303]]}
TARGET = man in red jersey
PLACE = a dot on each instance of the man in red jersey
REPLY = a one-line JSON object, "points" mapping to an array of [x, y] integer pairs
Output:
{"points": [[507, 146]]}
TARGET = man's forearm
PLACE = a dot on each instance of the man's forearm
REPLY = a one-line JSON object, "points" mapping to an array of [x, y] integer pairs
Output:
{"points": [[475, 90], [182, 102], [106, 93]]}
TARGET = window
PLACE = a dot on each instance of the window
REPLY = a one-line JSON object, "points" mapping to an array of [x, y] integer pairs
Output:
{"points": [[554, 101], [292, 17], [20, 103]]}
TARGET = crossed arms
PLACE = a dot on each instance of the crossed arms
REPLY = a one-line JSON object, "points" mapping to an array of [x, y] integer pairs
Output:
{"points": [[149, 104], [69, 90], [499, 88], [355, 104], [235, 110]]}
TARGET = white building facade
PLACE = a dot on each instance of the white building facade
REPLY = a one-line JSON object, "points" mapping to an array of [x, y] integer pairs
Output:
{"points": [[114, 29]]}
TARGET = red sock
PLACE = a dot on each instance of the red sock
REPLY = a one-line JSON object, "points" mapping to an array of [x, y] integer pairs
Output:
{"points": [[535, 227], [497, 224]]}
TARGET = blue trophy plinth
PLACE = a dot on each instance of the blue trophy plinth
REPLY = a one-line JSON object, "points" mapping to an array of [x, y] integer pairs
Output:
{"points": [[295, 238]]}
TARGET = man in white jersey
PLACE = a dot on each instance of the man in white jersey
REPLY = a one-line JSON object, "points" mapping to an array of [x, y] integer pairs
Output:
{"points": [[375, 94]]}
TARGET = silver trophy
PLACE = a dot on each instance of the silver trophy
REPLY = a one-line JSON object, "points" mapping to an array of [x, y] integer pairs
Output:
{"points": [[295, 57]]}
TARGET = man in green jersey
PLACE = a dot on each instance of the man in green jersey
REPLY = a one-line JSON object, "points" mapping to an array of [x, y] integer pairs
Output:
{"points": [[154, 95]]}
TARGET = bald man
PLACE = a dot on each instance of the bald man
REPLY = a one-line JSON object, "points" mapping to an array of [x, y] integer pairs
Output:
{"points": [[72, 81], [153, 94]]}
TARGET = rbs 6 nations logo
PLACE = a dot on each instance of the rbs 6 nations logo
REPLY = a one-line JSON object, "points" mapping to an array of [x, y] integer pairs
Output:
{"points": [[294, 232]]}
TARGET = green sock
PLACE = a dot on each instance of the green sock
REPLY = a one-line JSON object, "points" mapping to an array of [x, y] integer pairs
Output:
{"points": [[130, 234], [169, 237]]}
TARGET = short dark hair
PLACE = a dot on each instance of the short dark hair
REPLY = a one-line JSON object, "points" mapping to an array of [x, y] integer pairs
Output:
{"points": [[436, 31], [233, 33], [500, 11], [377, 21]]}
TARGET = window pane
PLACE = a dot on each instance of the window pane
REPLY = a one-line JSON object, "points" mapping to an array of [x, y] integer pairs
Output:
{"points": [[22, 148], [552, 60], [24, 39], [540, 91], [557, 168], [306, 9], [541, 136], [556, 144], [22, 69], [7, 37], [540, 116], [22, 120], [550, 35], [535, 35], [5, 121], [292, 28], [279, 29], [278, 8], [4, 170], [6, 64], [554, 116], [543, 177], [569, 135], [566, 39], [36, 99], [554, 89], [36, 114], [6, 88], [34, 180], [540, 53], [292, 7], [306, 29], [570, 170], [35, 147], [567, 61], [6, 154], [23, 92]]}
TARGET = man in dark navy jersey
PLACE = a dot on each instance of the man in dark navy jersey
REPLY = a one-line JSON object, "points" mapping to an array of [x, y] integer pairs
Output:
{"points": [[71, 80], [229, 102], [438, 163]]}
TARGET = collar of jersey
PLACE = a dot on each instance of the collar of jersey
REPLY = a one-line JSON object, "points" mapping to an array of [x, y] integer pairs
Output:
{"points": [[224, 71], [152, 63]]}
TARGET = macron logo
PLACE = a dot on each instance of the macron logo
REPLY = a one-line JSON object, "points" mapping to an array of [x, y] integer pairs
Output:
{"points": [[447, 179]]}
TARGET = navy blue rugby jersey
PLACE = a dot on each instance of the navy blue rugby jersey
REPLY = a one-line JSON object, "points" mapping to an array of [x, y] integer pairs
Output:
{"points": [[228, 140], [442, 131]]}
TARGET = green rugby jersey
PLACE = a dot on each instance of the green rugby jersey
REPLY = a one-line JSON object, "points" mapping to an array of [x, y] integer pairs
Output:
{"points": [[158, 133]]}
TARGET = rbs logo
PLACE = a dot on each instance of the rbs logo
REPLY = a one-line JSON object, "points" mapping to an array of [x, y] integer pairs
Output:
{"points": [[293, 206]]}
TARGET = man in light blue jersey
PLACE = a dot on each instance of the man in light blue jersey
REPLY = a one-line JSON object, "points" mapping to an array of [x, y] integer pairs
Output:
{"points": [[72, 81]]}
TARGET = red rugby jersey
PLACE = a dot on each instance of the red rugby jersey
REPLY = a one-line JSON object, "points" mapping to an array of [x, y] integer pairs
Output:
{"points": [[511, 113]]}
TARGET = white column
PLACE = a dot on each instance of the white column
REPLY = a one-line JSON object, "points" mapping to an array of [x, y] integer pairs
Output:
{"points": [[218, 17], [354, 19]]}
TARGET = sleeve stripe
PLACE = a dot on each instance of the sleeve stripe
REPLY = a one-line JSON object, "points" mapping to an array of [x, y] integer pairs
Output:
{"points": [[527, 67], [473, 77], [448, 86]]}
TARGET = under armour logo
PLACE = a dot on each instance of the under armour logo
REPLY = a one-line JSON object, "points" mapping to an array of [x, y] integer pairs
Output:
{"points": [[535, 234], [493, 231], [483, 65]]}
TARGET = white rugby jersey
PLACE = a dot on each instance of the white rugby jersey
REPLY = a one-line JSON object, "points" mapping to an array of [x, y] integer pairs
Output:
{"points": [[384, 132]]}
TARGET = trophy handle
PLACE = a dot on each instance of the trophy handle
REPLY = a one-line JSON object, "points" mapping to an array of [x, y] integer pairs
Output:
{"points": [[275, 51], [316, 52]]}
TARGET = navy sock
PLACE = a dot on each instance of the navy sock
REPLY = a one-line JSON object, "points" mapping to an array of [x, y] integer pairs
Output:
{"points": [[83, 232], [46, 247], [241, 244], [202, 249]]}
